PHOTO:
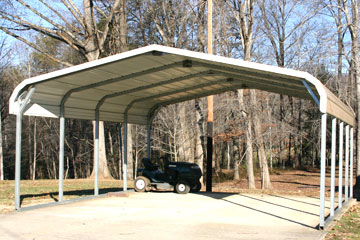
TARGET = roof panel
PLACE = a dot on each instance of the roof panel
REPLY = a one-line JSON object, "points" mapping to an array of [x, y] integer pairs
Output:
{"points": [[144, 79]]}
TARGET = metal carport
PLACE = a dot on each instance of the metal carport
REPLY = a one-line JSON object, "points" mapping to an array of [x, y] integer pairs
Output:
{"points": [[131, 87]]}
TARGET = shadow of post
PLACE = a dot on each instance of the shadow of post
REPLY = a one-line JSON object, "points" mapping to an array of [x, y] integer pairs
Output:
{"points": [[223, 196], [79, 193]]}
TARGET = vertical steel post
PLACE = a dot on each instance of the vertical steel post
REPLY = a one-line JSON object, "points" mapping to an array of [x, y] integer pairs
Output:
{"points": [[322, 170], [61, 154], [18, 160], [333, 163], [148, 146], [22, 106], [351, 160], [125, 155], [96, 149], [346, 163], [341, 153]]}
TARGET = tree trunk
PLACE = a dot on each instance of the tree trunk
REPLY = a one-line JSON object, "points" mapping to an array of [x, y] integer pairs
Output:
{"points": [[199, 136], [103, 171], [249, 142], [249, 157], [353, 25], [130, 159], [356, 74], [265, 176], [1, 150], [184, 144]]}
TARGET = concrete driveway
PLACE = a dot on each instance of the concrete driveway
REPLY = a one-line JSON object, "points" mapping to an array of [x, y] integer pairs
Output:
{"points": [[164, 215]]}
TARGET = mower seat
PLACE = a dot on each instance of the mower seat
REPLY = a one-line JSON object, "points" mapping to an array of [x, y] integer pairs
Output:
{"points": [[149, 165]]}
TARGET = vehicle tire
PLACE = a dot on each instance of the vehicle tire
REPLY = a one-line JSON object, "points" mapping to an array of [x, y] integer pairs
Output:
{"points": [[182, 187], [142, 184], [196, 187]]}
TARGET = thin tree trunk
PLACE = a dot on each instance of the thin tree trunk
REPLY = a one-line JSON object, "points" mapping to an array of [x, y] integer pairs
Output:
{"points": [[75, 167], [67, 168], [199, 136], [130, 159], [249, 143], [249, 157], [103, 171], [265, 176], [1, 150], [228, 155]]}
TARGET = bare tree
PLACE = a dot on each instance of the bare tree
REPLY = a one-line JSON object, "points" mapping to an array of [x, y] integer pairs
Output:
{"points": [[4, 60], [76, 27], [243, 12], [352, 20]]}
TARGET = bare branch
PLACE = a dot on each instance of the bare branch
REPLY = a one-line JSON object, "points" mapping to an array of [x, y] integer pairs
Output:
{"points": [[62, 17], [35, 47], [41, 15], [46, 31], [75, 11], [107, 23]]}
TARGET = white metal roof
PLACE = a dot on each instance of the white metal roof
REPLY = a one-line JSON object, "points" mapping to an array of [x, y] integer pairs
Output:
{"points": [[141, 81]]}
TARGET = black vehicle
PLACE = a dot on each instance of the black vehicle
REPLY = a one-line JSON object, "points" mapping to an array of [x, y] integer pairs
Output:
{"points": [[180, 176]]}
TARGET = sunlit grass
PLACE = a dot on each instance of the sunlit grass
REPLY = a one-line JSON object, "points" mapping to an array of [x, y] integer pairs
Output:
{"points": [[46, 191], [349, 225]]}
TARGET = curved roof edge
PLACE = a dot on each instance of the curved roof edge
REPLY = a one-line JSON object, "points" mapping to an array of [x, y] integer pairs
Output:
{"points": [[329, 103]]}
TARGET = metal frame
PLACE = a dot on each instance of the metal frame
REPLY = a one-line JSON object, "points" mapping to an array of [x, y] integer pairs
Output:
{"points": [[61, 154], [311, 93], [348, 186], [22, 108], [346, 163], [333, 165], [96, 155], [244, 74], [322, 170], [125, 154], [341, 153], [351, 162]]}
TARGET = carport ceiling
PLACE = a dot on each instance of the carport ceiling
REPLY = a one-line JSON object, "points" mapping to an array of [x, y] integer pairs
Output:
{"points": [[138, 82]]}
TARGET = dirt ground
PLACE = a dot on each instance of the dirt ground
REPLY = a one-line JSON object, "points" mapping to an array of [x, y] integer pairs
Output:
{"points": [[288, 182]]}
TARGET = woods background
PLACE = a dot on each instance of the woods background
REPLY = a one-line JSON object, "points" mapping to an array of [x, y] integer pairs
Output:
{"points": [[252, 129]]}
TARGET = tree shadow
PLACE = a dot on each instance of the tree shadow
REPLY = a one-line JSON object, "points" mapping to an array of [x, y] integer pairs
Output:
{"points": [[298, 183], [295, 200], [79, 193]]}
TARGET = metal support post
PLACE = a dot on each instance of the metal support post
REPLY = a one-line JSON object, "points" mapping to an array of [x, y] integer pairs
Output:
{"points": [[19, 115], [18, 160], [341, 146], [346, 163], [125, 155], [351, 161], [322, 170], [96, 149], [333, 163], [61, 155], [148, 149]]}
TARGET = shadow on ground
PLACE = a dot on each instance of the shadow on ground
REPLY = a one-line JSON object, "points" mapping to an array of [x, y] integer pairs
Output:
{"points": [[79, 193], [223, 196]]}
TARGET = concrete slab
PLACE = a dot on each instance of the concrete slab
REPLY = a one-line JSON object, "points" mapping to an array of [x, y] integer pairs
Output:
{"points": [[162, 215]]}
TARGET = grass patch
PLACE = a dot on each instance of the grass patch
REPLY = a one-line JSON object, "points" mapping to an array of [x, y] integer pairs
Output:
{"points": [[46, 191], [349, 225]]}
